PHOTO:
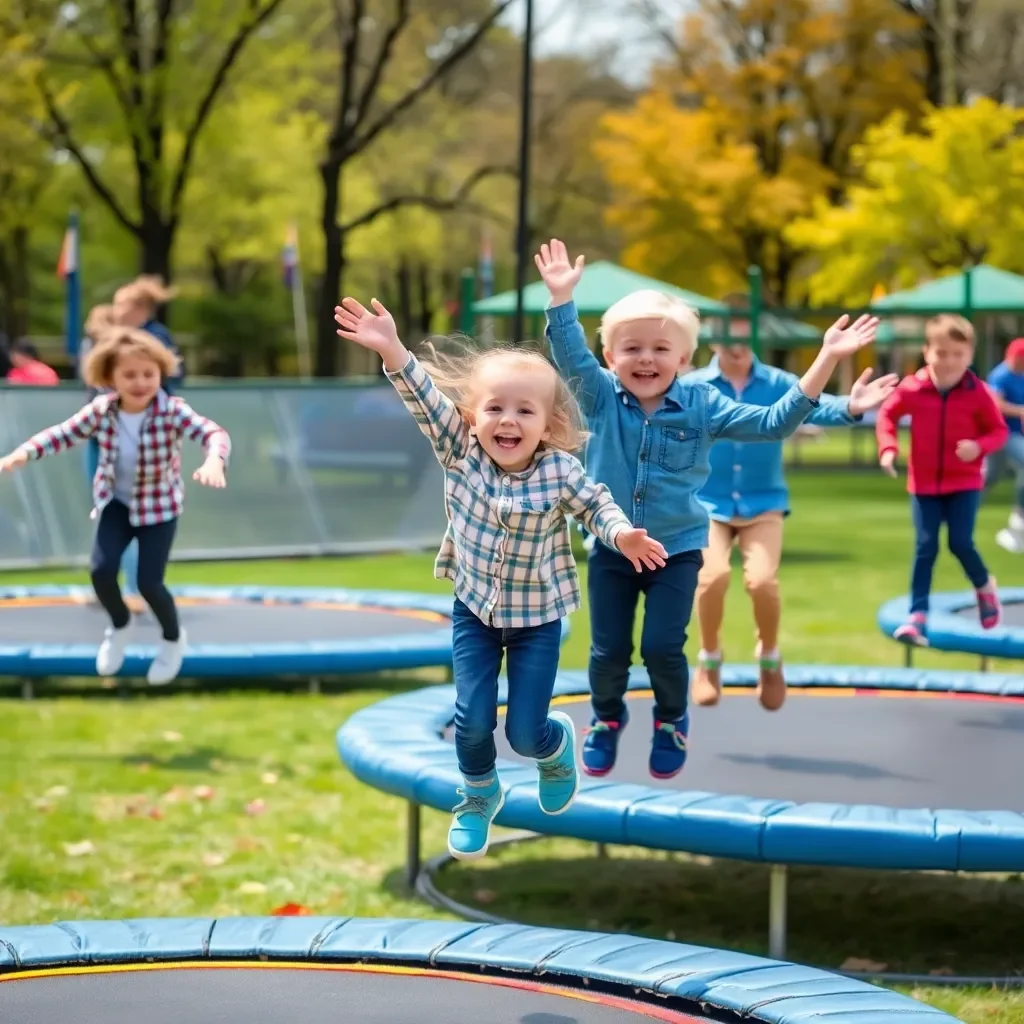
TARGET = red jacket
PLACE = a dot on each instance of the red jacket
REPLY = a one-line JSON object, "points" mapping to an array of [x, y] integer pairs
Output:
{"points": [[937, 422]]}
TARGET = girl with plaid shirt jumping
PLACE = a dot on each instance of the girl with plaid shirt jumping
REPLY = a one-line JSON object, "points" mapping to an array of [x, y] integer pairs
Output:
{"points": [[137, 489], [504, 438]]}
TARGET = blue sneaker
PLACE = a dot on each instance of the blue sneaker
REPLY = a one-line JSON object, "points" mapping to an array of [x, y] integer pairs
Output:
{"points": [[602, 745], [668, 747], [470, 832], [559, 779]]}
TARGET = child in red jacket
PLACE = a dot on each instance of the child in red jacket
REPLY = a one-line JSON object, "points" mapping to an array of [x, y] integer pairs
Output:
{"points": [[954, 424]]}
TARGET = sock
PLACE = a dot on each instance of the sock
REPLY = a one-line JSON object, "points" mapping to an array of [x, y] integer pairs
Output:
{"points": [[772, 655], [709, 655], [479, 783]]}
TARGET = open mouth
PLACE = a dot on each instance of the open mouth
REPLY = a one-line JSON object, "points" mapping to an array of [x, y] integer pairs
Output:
{"points": [[646, 375], [506, 441]]}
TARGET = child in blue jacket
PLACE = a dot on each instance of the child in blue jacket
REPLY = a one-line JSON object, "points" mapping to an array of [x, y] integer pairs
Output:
{"points": [[651, 437]]}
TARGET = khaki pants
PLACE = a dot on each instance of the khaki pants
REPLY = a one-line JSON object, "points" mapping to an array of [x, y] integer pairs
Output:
{"points": [[760, 543]]}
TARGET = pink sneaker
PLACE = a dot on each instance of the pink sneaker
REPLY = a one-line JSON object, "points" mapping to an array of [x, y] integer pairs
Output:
{"points": [[990, 611], [913, 631]]}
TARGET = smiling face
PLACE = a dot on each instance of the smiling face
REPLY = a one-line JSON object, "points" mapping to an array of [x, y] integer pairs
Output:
{"points": [[136, 380], [510, 410], [947, 359], [647, 355]]}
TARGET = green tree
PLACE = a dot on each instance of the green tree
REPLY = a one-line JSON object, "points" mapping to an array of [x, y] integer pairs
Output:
{"points": [[925, 202]]}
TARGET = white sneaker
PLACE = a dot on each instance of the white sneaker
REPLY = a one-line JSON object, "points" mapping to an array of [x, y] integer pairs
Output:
{"points": [[167, 664], [110, 656], [1016, 522], [1011, 540]]}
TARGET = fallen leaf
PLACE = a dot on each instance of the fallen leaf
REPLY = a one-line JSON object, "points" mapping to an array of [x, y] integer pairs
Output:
{"points": [[156, 813], [213, 860], [135, 804], [246, 844], [252, 888], [291, 910], [75, 898], [42, 805], [57, 791], [175, 795], [269, 779], [173, 737], [79, 849], [485, 896], [254, 807], [854, 963], [203, 792]]}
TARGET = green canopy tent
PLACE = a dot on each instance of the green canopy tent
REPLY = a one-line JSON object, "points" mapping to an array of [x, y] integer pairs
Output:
{"points": [[980, 289]]}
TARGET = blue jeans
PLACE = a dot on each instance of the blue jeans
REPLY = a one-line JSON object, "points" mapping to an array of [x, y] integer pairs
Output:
{"points": [[130, 561], [958, 511], [1005, 462], [477, 651], [614, 588]]}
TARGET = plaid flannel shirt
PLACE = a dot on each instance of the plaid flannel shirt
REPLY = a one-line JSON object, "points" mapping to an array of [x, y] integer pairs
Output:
{"points": [[507, 547], [159, 494]]}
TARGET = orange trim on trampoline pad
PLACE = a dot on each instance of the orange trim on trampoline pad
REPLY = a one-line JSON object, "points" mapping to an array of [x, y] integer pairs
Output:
{"points": [[198, 602], [599, 999]]}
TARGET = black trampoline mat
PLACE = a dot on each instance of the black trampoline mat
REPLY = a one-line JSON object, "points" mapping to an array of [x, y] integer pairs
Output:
{"points": [[896, 751], [1013, 614], [209, 622], [295, 996]]}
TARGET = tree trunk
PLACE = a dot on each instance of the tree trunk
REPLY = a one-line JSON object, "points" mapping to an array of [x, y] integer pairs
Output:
{"points": [[14, 284], [403, 313], [426, 304], [326, 362]]}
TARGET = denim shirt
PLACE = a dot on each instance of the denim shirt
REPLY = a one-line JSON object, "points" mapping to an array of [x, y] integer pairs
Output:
{"points": [[655, 464], [748, 480]]}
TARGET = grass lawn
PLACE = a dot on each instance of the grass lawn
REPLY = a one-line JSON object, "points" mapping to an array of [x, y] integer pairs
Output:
{"points": [[234, 802]]}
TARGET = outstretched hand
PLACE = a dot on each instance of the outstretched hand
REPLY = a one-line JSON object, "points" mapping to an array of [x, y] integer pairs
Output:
{"points": [[14, 461], [640, 549], [842, 339], [558, 273], [888, 463], [870, 394], [373, 330], [211, 473]]}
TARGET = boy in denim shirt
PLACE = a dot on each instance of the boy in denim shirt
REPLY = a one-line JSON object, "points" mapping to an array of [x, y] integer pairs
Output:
{"points": [[651, 435]]}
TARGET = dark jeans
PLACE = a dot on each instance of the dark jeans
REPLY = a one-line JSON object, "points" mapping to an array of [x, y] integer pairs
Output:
{"points": [[477, 651], [130, 559], [958, 511], [114, 533], [614, 587]]}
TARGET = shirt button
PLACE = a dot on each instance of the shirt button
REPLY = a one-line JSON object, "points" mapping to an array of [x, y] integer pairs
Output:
{"points": [[506, 480]]}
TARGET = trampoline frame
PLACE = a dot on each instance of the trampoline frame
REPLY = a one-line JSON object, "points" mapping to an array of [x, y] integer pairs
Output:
{"points": [[397, 746], [233, 659], [717, 983], [950, 632]]}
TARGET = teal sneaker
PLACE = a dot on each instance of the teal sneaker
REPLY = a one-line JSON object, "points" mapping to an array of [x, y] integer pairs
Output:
{"points": [[470, 832], [559, 779]]}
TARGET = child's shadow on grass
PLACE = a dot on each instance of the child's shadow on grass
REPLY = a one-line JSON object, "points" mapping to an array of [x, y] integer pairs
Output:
{"points": [[198, 759]]}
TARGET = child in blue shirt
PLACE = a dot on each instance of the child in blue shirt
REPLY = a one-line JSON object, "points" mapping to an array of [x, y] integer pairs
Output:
{"points": [[650, 441], [747, 498]]}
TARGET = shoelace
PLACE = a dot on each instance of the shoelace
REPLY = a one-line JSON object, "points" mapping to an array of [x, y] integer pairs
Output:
{"points": [[600, 726], [551, 771], [473, 804], [670, 729]]}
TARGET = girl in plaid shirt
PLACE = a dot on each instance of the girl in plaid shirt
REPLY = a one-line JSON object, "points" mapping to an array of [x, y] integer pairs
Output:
{"points": [[137, 489], [503, 434]]}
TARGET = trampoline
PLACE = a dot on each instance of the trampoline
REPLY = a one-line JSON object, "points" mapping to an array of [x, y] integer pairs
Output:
{"points": [[233, 632], [889, 769], [365, 971], [953, 624]]}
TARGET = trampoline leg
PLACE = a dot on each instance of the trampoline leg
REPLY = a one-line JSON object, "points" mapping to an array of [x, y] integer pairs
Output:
{"points": [[777, 912], [908, 657], [314, 684], [984, 663], [27, 689], [412, 843], [602, 851]]}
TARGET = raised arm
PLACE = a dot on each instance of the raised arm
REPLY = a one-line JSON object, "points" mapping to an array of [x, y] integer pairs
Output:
{"points": [[567, 340], [435, 413], [865, 395], [212, 436], [63, 436]]}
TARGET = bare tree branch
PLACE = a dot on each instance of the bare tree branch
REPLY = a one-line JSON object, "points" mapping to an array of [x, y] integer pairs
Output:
{"points": [[383, 58]]}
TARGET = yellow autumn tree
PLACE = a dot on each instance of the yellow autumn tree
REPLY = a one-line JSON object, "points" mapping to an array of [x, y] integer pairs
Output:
{"points": [[752, 120], [926, 201]]}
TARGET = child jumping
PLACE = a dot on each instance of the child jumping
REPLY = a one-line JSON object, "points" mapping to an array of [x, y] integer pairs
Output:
{"points": [[137, 489], [747, 498], [502, 426], [954, 424], [651, 434]]}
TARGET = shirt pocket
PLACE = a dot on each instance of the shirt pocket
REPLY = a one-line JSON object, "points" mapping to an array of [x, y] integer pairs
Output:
{"points": [[678, 448]]}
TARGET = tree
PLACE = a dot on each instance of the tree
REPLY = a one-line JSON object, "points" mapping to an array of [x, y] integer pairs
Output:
{"points": [[154, 71], [926, 201], [376, 91], [796, 80]]}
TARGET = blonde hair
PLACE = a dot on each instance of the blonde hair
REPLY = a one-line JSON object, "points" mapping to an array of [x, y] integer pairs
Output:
{"points": [[648, 304], [99, 320], [456, 373], [147, 290], [118, 341], [949, 327]]}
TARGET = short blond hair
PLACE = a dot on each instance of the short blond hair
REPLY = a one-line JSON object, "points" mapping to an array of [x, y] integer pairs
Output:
{"points": [[116, 342], [649, 304], [147, 290], [99, 320], [949, 327], [456, 373]]}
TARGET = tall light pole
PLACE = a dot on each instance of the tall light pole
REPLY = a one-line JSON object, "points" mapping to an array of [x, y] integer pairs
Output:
{"points": [[523, 227]]}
